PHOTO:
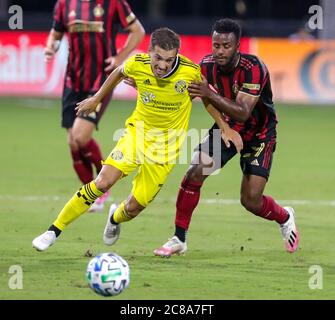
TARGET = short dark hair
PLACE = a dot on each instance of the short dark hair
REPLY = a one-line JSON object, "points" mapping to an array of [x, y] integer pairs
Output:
{"points": [[227, 26], [165, 38]]}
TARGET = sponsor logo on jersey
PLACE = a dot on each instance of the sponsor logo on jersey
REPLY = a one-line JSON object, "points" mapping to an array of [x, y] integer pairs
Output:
{"points": [[86, 26], [147, 97]]}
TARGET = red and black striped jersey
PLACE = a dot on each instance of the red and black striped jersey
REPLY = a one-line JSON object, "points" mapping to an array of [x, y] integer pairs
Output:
{"points": [[250, 76], [91, 27]]}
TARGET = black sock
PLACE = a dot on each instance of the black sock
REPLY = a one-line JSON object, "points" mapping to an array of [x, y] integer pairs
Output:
{"points": [[112, 220], [180, 233], [55, 230]]}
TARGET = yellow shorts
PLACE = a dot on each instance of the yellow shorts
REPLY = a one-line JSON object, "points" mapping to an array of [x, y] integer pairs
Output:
{"points": [[150, 176]]}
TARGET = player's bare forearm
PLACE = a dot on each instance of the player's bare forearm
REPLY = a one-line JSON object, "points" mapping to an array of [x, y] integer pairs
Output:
{"points": [[217, 116], [239, 110], [52, 44], [54, 36], [89, 105], [110, 83], [227, 133], [136, 34]]}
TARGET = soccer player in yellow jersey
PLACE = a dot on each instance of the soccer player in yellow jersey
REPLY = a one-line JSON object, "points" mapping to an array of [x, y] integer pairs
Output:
{"points": [[153, 135]]}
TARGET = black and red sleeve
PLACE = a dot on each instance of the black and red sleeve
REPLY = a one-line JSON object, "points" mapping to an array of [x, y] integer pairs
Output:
{"points": [[254, 80], [124, 14], [203, 69], [59, 16]]}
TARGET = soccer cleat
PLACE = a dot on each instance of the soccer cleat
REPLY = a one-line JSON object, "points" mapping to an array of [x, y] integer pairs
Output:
{"points": [[290, 232], [112, 231], [44, 241], [99, 204], [173, 246]]}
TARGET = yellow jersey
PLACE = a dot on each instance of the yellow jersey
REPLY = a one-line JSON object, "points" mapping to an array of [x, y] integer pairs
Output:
{"points": [[163, 105]]}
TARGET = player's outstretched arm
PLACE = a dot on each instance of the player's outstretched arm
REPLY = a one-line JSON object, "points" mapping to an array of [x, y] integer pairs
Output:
{"points": [[87, 106], [239, 110], [228, 134], [52, 44]]}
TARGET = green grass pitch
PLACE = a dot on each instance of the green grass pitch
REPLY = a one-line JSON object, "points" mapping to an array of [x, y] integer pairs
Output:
{"points": [[232, 254]]}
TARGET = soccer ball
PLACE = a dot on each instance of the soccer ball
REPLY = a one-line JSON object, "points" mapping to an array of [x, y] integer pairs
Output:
{"points": [[108, 274]]}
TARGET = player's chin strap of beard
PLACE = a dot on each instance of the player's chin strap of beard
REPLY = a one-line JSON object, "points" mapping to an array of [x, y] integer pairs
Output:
{"points": [[233, 62], [238, 56]]}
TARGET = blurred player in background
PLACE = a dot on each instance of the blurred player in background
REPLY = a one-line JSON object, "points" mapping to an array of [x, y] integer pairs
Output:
{"points": [[243, 93], [154, 133], [91, 28]]}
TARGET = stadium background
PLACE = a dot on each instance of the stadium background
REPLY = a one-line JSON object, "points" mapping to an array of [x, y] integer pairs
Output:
{"points": [[268, 27], [246, 260]]}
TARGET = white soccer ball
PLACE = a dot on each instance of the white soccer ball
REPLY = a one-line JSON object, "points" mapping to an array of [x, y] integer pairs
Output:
{"points": [[108, 274]]}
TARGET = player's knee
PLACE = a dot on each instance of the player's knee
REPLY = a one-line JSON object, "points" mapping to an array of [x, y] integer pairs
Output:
{"points": [[133, 208], [81, 140], [195, 174], [251, 202], [102, 183], [80, 137], [72, 144]]}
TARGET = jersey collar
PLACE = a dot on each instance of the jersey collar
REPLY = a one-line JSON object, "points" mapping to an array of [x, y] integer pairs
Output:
{"points": [[173, 69]]}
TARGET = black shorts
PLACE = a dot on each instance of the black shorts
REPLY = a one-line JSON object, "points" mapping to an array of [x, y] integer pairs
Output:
{"points": [[69, 102], [256, 156]]}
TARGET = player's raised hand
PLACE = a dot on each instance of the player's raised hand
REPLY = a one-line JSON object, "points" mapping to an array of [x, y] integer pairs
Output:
{"points": [[230, 135], [87, 106]]}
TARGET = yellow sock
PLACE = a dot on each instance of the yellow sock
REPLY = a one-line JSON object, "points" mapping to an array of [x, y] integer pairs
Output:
{"points": [[77, 205], [120, 214]]}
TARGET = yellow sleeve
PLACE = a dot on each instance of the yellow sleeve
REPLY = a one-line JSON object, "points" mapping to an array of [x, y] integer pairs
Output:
{"points": [[198, 74], [128, 67]]}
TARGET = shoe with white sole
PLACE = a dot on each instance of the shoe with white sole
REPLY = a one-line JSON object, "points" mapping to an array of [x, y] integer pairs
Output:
{"points": [[173, 246], [44, 241], [112, 231], [290, 232], [99, 204]]}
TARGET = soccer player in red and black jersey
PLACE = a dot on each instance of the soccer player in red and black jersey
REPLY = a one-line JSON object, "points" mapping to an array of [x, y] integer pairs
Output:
{"points": [[239, 86], [91, 27]]}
